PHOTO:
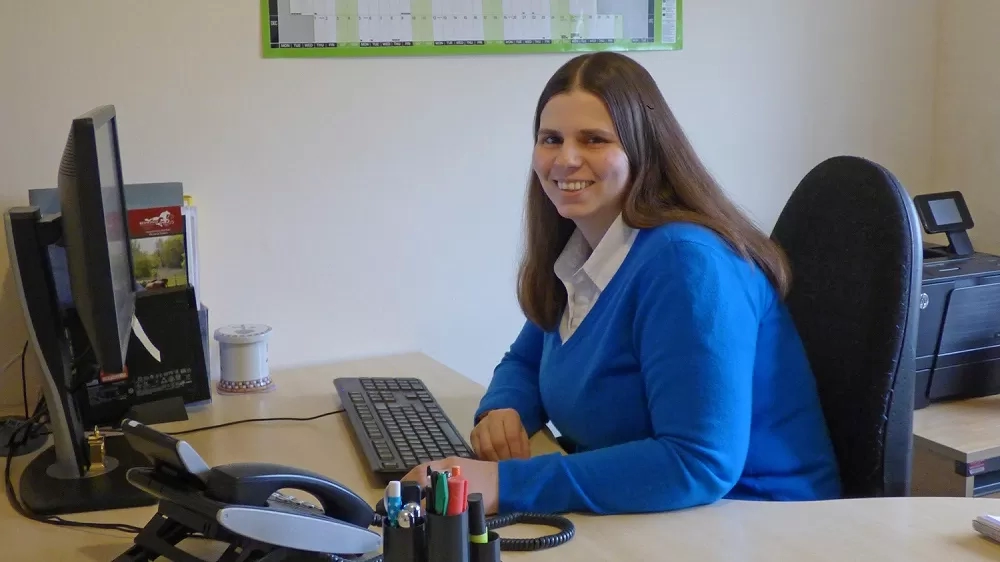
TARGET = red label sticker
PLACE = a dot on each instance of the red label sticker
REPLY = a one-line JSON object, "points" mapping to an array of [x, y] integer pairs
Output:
{"points": [[157, 221], [113, 377]]}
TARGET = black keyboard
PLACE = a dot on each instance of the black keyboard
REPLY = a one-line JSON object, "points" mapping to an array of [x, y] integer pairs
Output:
{"points": [[398, 424]]}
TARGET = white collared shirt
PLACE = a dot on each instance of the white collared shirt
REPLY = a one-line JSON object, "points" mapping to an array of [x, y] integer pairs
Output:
{"points": [[586, 274]]}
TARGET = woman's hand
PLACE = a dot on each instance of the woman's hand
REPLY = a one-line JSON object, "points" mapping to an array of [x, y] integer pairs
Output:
{"points": [[482, 477], [499, 436]]}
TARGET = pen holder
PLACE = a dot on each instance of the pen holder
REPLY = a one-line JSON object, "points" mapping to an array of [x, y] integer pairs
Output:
{"points": [[404, 544], [488, 551], [448, 537]]}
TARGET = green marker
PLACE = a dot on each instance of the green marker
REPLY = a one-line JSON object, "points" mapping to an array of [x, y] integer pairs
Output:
{"points": [[441, 494]]}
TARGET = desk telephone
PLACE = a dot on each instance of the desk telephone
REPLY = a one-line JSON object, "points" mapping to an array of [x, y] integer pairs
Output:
{"points": [[240, 504]]}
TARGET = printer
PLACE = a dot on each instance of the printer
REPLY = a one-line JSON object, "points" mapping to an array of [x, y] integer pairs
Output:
{"points": [[958, 336]]}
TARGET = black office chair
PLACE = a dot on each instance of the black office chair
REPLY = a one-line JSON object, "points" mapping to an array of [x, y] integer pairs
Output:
{"points": [[852, 237]]}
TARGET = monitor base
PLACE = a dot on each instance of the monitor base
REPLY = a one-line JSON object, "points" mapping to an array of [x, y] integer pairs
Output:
{"points": [[46, 494], [7, 425]]}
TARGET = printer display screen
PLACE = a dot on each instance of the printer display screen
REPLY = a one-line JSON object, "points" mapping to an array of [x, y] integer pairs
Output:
{"points": [[945, 211]]}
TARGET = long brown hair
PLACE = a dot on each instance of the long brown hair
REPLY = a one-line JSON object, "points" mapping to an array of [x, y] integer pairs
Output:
{"points": [[668, 182]]}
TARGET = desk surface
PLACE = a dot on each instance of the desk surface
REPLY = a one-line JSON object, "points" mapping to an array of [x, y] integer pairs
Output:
{"points": [[883, 529], [962, 430]]}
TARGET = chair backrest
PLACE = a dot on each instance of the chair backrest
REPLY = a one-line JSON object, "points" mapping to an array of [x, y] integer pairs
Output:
{"points": [[852, 237]]}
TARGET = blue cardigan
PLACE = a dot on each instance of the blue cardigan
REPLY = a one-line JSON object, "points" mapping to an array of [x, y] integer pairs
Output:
{"points": [[686, 383]]}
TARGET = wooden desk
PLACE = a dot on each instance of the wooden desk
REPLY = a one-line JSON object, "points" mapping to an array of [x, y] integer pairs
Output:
{"points": [[893, 529], [956, 448]]}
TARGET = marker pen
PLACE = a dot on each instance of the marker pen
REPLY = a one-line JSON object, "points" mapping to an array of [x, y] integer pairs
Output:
{"points": [[431, 489], [411, 492], [441, 494], [457, 490], [456, 474], [478, 533]]}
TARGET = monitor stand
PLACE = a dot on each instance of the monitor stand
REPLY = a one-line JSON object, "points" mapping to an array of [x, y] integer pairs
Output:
{"points": [[46, 489], [72, 475]]}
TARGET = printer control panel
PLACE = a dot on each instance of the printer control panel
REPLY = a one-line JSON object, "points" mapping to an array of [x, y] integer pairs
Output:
{"points": [[976, 265]]}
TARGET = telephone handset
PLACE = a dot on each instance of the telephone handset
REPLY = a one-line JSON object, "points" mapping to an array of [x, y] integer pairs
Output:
{"points": [[256, 483], [240, 503]]}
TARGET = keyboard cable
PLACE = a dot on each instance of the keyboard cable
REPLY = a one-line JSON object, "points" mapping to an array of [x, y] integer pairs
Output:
{"points": [[237, 422]]}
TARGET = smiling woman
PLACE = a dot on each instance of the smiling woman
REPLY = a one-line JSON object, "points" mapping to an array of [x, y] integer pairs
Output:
{"points": [[656, 339], [597, 114], [580, 162]]}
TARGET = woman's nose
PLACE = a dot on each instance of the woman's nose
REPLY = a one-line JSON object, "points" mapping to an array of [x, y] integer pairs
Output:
{"points": [[568, 156]]}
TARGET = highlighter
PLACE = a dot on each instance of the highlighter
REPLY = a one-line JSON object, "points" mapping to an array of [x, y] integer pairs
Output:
{"points": [[412, 491], [441, 494], [458, 488], [478, 533], [393, 502]]}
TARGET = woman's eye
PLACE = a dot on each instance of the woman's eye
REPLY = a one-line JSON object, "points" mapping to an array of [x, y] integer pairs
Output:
{"points": [[550, 140], [596, 140]]}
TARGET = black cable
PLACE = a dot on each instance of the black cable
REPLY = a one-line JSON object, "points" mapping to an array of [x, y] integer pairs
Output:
{"points": [[217, 426], [565, 526], [25, 430], [31, 423], [32, 426], [24, 380]]}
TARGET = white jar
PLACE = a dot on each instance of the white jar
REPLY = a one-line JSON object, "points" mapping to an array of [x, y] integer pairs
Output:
{"points": [[243, 358]]}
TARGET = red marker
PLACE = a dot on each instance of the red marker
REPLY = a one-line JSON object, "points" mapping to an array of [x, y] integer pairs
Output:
{"points": [[458, 489]]}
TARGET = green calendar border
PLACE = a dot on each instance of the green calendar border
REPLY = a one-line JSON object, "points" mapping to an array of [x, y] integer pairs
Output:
{"points": [[488, 49]]}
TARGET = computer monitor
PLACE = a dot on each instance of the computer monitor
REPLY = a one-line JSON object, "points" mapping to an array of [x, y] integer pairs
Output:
{"points": [[77, 474], [95, 234]]}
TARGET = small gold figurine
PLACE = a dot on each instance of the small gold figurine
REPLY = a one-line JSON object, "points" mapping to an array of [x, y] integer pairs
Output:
{"points": [[96, 445]]}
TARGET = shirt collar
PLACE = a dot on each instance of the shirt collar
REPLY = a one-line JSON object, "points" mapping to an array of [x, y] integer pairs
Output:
{"points": [[601, 264]]}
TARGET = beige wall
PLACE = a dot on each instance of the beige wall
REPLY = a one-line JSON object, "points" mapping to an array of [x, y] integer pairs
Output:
{"points": [[967, 113], [383, 196]]}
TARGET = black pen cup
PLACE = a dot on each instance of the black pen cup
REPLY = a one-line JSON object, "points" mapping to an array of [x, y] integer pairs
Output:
{"points": [[404, 544], [488, 551], [448, 537]]}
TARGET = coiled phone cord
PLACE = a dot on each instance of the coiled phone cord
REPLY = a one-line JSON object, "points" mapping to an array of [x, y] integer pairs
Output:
{"points": [[565, 533]]}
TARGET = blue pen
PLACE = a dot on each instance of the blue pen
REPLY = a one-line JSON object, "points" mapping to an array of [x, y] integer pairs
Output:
{"points": [[393, 502]]}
